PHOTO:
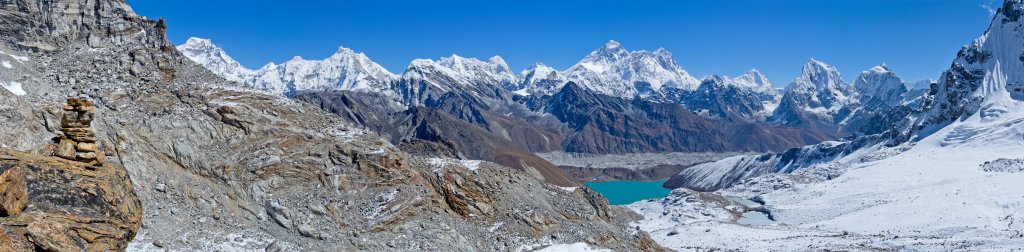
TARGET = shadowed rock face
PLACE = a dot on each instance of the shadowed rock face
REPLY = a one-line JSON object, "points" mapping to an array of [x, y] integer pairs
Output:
{"points": [[604, 124]]}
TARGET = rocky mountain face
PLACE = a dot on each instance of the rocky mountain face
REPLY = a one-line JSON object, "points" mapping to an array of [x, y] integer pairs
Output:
{"points": [[228, 169], [960, 91], [539, 79], [455, 129], [748, 98], [426, 81], [818, 98], [605, 124]]}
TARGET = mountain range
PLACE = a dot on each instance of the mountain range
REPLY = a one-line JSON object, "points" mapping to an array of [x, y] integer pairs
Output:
{"points": [[339, 154], [818, 99]]}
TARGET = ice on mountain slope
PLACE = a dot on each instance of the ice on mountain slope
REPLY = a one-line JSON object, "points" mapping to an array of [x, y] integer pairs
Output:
{"points": [[14, 87], [920, 85], [933, 192], [344, 70], [614, 71], [426, 80]]}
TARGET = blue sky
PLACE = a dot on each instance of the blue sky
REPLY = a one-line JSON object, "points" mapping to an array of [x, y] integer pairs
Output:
{"points": [[917, 38]]}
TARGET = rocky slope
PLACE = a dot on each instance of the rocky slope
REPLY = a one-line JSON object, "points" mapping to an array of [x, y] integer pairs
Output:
{"points": [[226, 169], [451, 130], [605, 124]]}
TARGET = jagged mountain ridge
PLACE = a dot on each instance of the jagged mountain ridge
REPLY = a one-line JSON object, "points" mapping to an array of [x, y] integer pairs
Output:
{"points": [[344, 70], [606, 124], [610, 70], [749, 97]]}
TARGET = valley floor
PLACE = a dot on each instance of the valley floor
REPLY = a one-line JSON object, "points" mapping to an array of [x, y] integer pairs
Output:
{"points": [[959, 188]]}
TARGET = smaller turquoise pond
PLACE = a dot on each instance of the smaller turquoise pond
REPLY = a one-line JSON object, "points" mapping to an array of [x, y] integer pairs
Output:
{"points": [[625, 192]]}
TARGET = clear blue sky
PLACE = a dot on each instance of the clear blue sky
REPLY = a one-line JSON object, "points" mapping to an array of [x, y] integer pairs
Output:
{"points": [[917, 38]]}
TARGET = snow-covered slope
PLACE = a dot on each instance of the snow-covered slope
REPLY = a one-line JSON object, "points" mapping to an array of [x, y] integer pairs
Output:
{"points": [[943, 181], [344, 70], [614, 71], [935, 194]]}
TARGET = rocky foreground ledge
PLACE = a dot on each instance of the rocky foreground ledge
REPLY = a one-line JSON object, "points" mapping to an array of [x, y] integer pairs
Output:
{"points": [[68, 202]]}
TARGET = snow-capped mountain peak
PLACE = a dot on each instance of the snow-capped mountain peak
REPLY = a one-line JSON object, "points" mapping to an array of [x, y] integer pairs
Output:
{"points": [[615, 71], [819, 75], [448, 73], [539, 79], [344, 70], [611, 50], [204, 52], [753, 79], [819, 93], [880, 84]]}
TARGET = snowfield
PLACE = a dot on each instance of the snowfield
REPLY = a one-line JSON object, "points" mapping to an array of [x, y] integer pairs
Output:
{"points": [[935, 195]]}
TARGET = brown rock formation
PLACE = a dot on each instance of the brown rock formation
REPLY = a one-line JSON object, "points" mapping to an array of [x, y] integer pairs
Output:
{"points": [[72, 202]]}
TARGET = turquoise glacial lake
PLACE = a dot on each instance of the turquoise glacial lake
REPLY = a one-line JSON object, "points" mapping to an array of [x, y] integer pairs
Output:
{"points": [[625, 192]]}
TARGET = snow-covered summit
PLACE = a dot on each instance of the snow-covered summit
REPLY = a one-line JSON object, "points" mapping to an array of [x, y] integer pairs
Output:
{"points": [[880, 84], [540, 79], [753, 79], [456, 71], [204, 52], [344, 70], [818, 93], [615, 71]]}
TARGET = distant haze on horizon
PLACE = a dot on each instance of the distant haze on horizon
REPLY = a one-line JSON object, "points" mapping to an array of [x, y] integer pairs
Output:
{"points": [[917, 38]]}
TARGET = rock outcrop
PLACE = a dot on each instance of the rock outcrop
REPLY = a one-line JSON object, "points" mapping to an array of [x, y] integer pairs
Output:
{"points": [[73, 202]]}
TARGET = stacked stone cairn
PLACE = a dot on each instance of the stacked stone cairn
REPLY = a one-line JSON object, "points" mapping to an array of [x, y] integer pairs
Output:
{"points": [[77, 141]]}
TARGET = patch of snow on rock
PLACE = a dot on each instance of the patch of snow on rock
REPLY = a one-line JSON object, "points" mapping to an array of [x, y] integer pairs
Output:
{"points": [[575, 247]]}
